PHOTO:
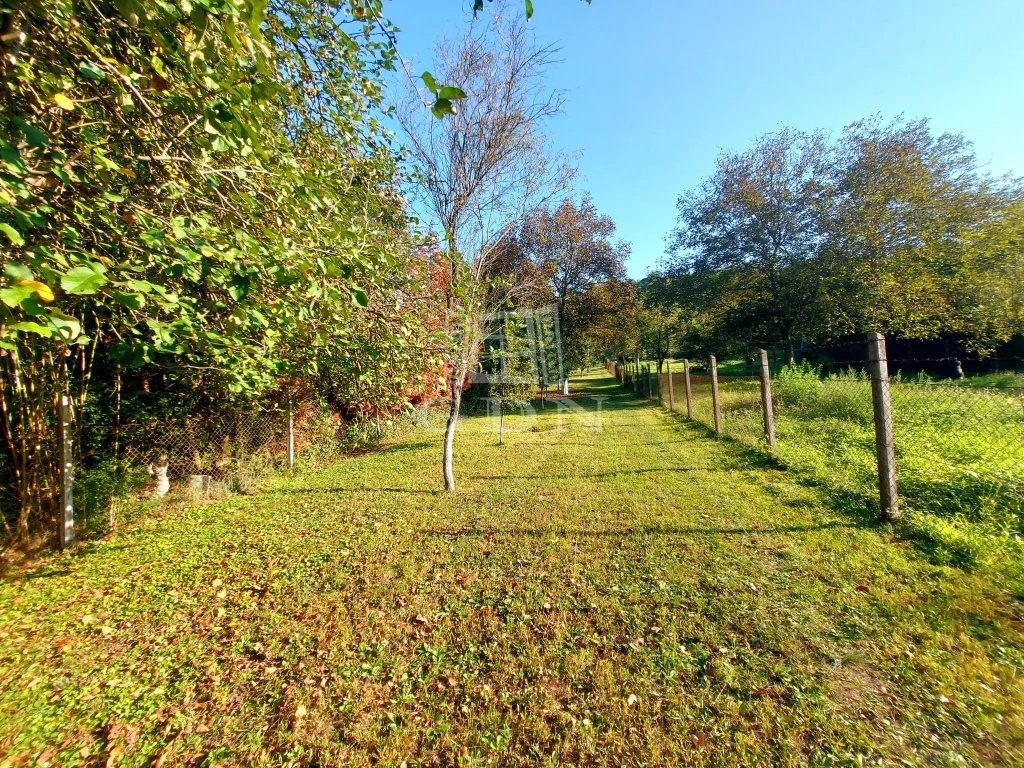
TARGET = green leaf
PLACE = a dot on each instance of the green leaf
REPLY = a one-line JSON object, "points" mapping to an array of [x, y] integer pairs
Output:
{"points": [[29, 327], [15, 237], [529, 9], [13, 297], [359, 297], [442, 107], [451, 93], [66, 325], [90, 70], [130, 300], [430, 82], [82, 280], [16, 271], [33, 135]]}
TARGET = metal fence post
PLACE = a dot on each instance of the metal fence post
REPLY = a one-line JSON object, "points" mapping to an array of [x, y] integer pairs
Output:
{"points": [[689, 389], [714, 395], [291, 437], [671, 391], [766, 400], [66, 524], [888, 493]]}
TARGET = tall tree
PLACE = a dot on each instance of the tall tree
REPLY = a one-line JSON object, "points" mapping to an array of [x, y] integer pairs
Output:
{"points": [[481, 170], [906, 204], [756, 224], [572, 246]]}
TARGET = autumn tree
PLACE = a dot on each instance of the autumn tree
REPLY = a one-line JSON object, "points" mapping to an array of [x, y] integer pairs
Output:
{"points": [[572, 245]]}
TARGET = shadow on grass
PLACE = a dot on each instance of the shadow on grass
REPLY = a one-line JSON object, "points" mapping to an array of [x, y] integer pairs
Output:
{"points": [[643, 530], [358, 489], [592, 475], [860, 507]]}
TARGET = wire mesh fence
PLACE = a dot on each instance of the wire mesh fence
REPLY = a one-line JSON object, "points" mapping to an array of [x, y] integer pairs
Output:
{"points": [[960, 450], [202, 456], [957, 445]]}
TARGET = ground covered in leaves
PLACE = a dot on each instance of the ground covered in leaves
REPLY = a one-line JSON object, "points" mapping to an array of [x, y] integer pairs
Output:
{"points": [[645, 594]]}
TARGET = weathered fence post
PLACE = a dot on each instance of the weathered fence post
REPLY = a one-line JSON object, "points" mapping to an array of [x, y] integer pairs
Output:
{"points": [[689, 389], [66, 523], [671, 391], [291, 436], [766, 400], [714, 395], [888, 493], [647, 380], [658, 381]]}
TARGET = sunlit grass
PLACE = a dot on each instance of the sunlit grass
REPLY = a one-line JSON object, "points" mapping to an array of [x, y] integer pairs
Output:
{"points": [[641, 595]]}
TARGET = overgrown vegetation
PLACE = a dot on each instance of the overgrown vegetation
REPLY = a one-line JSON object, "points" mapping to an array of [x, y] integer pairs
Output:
{"points": [[201, 212]]}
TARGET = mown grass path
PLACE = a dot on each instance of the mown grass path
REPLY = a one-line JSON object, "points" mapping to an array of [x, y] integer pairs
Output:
{"points": [[640, 595]]}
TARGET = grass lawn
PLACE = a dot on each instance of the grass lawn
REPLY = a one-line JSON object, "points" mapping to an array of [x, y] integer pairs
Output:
{"points": [[641, 595]]}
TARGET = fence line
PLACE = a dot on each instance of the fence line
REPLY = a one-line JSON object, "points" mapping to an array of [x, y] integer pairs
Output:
{"points": [[948, 448], [201, 456]]}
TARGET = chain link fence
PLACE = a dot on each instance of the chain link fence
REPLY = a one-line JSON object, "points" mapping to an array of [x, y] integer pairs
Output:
{"points": [[204, 456]]}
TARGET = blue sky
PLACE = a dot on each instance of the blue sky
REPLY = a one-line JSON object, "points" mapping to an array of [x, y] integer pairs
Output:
{"points": [[657, 88]]}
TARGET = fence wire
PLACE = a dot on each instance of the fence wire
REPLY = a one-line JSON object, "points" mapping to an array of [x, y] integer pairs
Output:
{"points": [[203, 456], [959, 447]]}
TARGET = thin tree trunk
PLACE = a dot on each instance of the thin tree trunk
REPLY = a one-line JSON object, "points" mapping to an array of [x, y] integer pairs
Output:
{"points": [[790, 354], [455, 402]]}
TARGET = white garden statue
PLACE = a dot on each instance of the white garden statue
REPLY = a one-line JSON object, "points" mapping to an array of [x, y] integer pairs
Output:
{"points": [[158, 471]]}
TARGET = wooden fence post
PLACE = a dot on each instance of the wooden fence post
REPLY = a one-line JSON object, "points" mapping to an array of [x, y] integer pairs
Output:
{"points": [[291, 436], [766, 400], [888, 493], [714, 395], [658, 382], [689, 389], [671, 391], [66, 523], [647, 380]]}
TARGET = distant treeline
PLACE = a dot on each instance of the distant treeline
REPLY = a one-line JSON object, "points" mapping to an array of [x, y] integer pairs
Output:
{"points": [[811, 238]]}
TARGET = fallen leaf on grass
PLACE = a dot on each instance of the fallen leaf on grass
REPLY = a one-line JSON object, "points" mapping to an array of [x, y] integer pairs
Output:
{"points": [[631, 700], [699, 739]]}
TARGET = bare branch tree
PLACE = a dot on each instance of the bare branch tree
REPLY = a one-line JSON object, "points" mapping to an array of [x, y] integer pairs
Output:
{"points": [[482, 170]]}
